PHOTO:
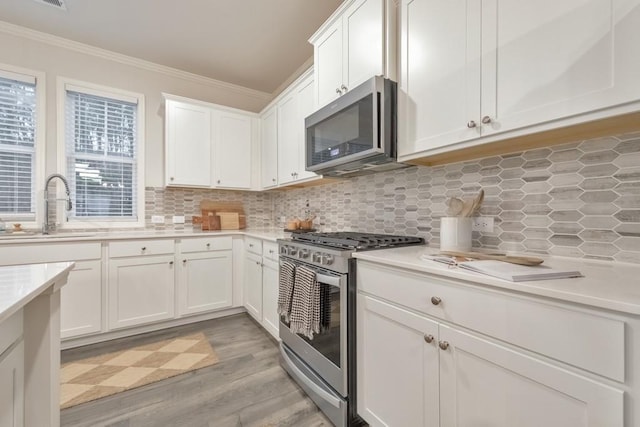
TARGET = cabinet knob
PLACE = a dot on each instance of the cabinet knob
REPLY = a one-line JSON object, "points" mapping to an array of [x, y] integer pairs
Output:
{"points": [[344, 88], [170, 262], [273, 179], [471, 124], [144, 248], [250, 245], [436, 300], [171, 178], [443, 345], [208, 245], [270, 251], [257, 262], [486, 120], [184, 261], [428, 339], [338, 91], [218, 181]]}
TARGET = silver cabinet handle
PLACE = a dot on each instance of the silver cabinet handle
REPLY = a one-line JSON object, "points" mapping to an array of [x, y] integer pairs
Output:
{"points": [[471, 124], [250, 245], [338, 91], [170, 262], [486, 120], [436, 300], [428, 339], [443, 345], [344, 88]]}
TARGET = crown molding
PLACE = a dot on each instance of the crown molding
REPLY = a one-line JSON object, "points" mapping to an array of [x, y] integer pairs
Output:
{"points": [[86, 49]]}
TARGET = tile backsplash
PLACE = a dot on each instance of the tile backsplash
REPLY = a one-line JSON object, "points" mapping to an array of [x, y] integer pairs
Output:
{"points": [[580, 200]]}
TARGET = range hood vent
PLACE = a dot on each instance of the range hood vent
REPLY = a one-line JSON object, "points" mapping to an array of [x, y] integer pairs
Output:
{"points": [[58, 4]]}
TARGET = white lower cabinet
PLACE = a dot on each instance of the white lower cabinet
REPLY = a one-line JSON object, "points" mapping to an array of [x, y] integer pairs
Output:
{"points": [[81, 300], [418, 370], [204, 282], [270, 318], [253, 286], [141, 290], [12, 372], [261, 283]]}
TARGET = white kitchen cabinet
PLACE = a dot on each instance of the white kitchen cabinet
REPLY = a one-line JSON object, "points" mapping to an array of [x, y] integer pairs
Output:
{"points": [[356, 43], [293, 107], [205, 275], [269, 147], [81, 304], [12, 386], [188, 144], [253, 286], [431, 358], [479, 72], [270, 272], [208, 145], [81, 300], [140, 287], [232, 149]]}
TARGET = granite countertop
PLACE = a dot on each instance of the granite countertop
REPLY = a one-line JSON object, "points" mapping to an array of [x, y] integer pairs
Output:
{"points": [[608, 285], [20, 284], [270, 234]]}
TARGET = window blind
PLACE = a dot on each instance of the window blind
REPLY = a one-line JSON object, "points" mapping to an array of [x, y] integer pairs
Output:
{"points": [[17, 146], [101, 154]]}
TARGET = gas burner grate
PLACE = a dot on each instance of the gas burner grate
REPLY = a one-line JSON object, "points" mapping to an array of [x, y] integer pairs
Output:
{"points": [[357, 241]]}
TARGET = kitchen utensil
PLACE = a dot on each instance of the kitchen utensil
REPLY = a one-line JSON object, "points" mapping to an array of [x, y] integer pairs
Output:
{"points": [[473, 205], [455, 206], [513, 259]]}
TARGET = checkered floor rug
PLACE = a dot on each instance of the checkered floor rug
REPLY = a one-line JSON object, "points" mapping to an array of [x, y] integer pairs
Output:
{"points": [[89, 379]]}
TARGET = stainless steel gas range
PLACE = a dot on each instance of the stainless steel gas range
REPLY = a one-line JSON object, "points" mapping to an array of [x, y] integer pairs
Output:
{"points": [[325, 365]]}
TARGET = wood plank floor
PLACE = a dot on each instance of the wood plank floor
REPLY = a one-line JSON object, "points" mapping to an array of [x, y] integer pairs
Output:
{"points": [[246, 388]]}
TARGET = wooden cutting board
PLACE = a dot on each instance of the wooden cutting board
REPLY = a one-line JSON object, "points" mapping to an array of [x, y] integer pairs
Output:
{"points": [[513, 259]]}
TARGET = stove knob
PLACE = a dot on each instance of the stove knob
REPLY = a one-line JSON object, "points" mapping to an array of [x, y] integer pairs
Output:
{"points": [[293, 251], [303, 253], [316, 257], [327, 259], [284, 250]]}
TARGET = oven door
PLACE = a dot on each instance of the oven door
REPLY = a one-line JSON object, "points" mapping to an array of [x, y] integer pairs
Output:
{"points": [[326, 353]]}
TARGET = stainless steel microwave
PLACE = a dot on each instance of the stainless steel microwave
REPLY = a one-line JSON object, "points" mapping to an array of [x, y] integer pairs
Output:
{"points": [[355, 134]]}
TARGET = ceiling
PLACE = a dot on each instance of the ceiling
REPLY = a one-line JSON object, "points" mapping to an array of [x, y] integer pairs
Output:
{"points": [[256, 44]]}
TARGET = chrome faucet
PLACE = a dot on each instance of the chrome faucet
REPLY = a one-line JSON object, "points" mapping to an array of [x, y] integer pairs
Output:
{"points": [[45, 226]]}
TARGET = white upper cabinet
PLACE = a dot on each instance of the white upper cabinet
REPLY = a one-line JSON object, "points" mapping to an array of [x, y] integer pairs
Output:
{"points": [[188, 144], [208, 145], [356, 43], [479, 72], [289, 138], [269, 147], [232, 142]]}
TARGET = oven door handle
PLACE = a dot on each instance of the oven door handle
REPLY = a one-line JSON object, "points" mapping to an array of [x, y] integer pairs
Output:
{"points": [[329, 280]]}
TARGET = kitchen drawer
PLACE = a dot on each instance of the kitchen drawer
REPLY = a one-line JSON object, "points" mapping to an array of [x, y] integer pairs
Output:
{"points": [[206, 244], [49, 252], [270, 251], [580, 338], [141, 247], [10, 331], [253, 245]]}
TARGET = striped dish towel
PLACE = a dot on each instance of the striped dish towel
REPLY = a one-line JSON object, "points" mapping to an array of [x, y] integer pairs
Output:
{"points": [[305, 303], [286, 280]]}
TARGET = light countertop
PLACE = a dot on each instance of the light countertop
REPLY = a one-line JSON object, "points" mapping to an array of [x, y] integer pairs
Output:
{"points": [[20, 284], [269, 234], [609, 285]]}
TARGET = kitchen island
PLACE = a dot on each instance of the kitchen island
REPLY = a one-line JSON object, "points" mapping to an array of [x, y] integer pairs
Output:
{"points": [[30, 343]]}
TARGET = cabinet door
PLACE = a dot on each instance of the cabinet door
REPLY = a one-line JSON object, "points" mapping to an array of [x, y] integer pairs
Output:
{"points": [[270, 318], [188, 143], [305, 108], [269, 152], [439, 74], [253, 286], [288, 138], [547, 60], [328, 64], [363, 42], [393, 390], [12, 387], [141, 290], [232, 150], [485, 384], [205, 282], [81, 300]]}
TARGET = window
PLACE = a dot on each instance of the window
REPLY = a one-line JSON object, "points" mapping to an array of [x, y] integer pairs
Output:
{"points": [[21, 121], [103, 155]]}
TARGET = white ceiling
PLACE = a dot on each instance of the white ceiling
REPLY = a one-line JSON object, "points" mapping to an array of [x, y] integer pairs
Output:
{"points": [[257, 44]]}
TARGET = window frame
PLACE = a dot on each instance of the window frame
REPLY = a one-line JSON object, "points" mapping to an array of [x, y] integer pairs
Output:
{"points": [[7, 70], [64, 84]]}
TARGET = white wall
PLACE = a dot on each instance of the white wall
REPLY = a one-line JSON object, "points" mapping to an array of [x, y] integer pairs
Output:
{"points": [[19, 48]]}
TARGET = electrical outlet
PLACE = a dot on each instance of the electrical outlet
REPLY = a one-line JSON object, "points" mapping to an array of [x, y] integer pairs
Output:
{"points": [[178, 219], [483, 223], [157, 219]]}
